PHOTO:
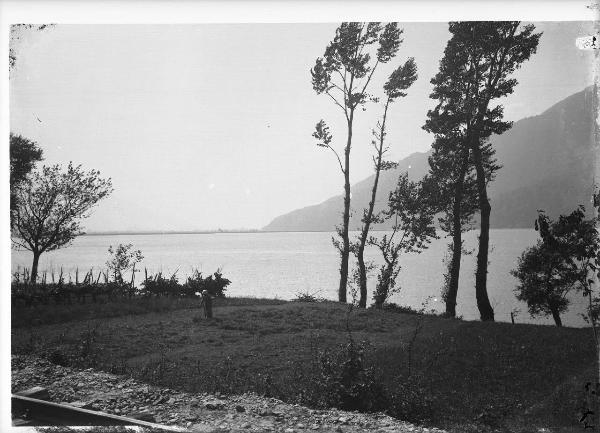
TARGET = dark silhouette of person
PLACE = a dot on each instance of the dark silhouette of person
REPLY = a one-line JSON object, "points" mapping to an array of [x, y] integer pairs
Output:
{"points": [[207, 304]]}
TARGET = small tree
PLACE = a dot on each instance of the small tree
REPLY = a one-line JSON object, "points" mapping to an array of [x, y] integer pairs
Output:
{"points": [[400, 80], [557, 264], [545, 280], [409, 206], [343, 74], [123, 259], [50, 205]]}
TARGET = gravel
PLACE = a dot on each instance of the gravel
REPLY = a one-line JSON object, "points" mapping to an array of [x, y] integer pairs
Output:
{"points": [[199, 412]]}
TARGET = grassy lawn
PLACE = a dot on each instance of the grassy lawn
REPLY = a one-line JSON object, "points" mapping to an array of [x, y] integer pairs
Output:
{"points": [[453, 374]]}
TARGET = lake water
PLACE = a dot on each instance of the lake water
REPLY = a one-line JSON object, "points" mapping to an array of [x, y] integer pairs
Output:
{"points": [[284, 264]]}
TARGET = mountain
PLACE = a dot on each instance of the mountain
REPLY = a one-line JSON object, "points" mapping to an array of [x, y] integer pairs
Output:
{"points": [[548, 162]]}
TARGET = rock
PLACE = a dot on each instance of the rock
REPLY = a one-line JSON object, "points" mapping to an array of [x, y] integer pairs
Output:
{"points": [[82, 404], [300, 425], [214, 404], [240, 408], [246, 425], [35, 392], [157, 400], [289, 430], [143, 416]]}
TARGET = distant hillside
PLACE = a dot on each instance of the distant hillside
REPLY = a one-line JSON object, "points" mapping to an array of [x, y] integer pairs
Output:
{"points": [[548, 163]]}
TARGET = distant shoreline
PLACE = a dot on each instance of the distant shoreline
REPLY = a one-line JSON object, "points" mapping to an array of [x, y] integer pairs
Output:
{"points": [[241, 231], [169, 232]]}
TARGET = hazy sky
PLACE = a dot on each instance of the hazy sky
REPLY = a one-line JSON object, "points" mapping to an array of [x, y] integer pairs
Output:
{"points": [[209, 126]]}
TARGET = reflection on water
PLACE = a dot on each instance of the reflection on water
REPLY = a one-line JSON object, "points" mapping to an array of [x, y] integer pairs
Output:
{"points": [[283, 264]]}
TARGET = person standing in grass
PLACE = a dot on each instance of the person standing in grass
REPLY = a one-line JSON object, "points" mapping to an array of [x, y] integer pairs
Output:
{"points": [[207, 304]]}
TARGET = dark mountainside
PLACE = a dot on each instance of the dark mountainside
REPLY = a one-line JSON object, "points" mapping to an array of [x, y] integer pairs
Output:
{"points": [[548, 163]]}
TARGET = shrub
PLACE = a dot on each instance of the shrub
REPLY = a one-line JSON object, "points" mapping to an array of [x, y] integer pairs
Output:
{"points": [[307, 297], [123, 259], [215, 284], [158, 285], [409, 400], [395, 308], [343, 379]]}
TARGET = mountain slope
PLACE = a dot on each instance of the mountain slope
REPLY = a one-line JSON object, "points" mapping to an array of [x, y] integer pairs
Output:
{"points": [[547, 163]]}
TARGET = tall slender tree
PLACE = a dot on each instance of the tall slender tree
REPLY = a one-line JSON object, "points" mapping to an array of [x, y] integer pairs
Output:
{"points": [[343, 74], [476, 69], [400, 80]]}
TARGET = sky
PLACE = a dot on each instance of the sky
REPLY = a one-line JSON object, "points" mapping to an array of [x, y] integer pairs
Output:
{"points": [[209, 126]]}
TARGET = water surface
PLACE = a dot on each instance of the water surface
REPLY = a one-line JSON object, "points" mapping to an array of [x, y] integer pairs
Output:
{"points": [[284, 264]]}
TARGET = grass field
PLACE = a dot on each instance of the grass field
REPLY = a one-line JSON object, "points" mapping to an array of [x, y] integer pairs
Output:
{"points": [[464, 376]]}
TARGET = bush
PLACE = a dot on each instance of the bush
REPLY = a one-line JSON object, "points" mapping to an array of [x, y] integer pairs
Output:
{"points": [[215, 284], [409, 400], [307, 297], [158, 285], [395, 308], [343, 379]]}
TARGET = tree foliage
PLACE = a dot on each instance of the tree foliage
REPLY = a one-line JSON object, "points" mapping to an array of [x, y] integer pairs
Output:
{"points": [[24, 154], [410, 208], [51, 204], [122, 259], [558, 264]]}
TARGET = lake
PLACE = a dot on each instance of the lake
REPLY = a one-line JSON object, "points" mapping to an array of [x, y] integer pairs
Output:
{"points": [[284, 264]]}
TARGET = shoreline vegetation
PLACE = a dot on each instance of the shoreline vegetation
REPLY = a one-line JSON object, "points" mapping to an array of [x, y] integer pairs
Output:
{"points": [[397, 360]]}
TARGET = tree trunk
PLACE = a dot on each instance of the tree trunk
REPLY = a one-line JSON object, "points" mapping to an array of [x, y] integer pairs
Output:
{"points": [[345, 252], [486, 311], [34, 266], [556, 317], [454, 274], [456, 242], [362, 271], [362, 274]]}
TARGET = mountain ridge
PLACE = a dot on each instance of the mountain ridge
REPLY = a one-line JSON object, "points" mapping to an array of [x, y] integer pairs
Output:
{"points": [[553, 172]]}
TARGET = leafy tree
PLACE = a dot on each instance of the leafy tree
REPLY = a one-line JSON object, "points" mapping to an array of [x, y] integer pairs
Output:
{"points": [[557, 264], [400, 80], [343, 74], [50, 205], [409, 206], [123, 259], [476, 70], [24, 153]]}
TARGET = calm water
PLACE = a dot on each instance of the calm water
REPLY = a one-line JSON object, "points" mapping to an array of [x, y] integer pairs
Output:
{"points": [[283, 264]]}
